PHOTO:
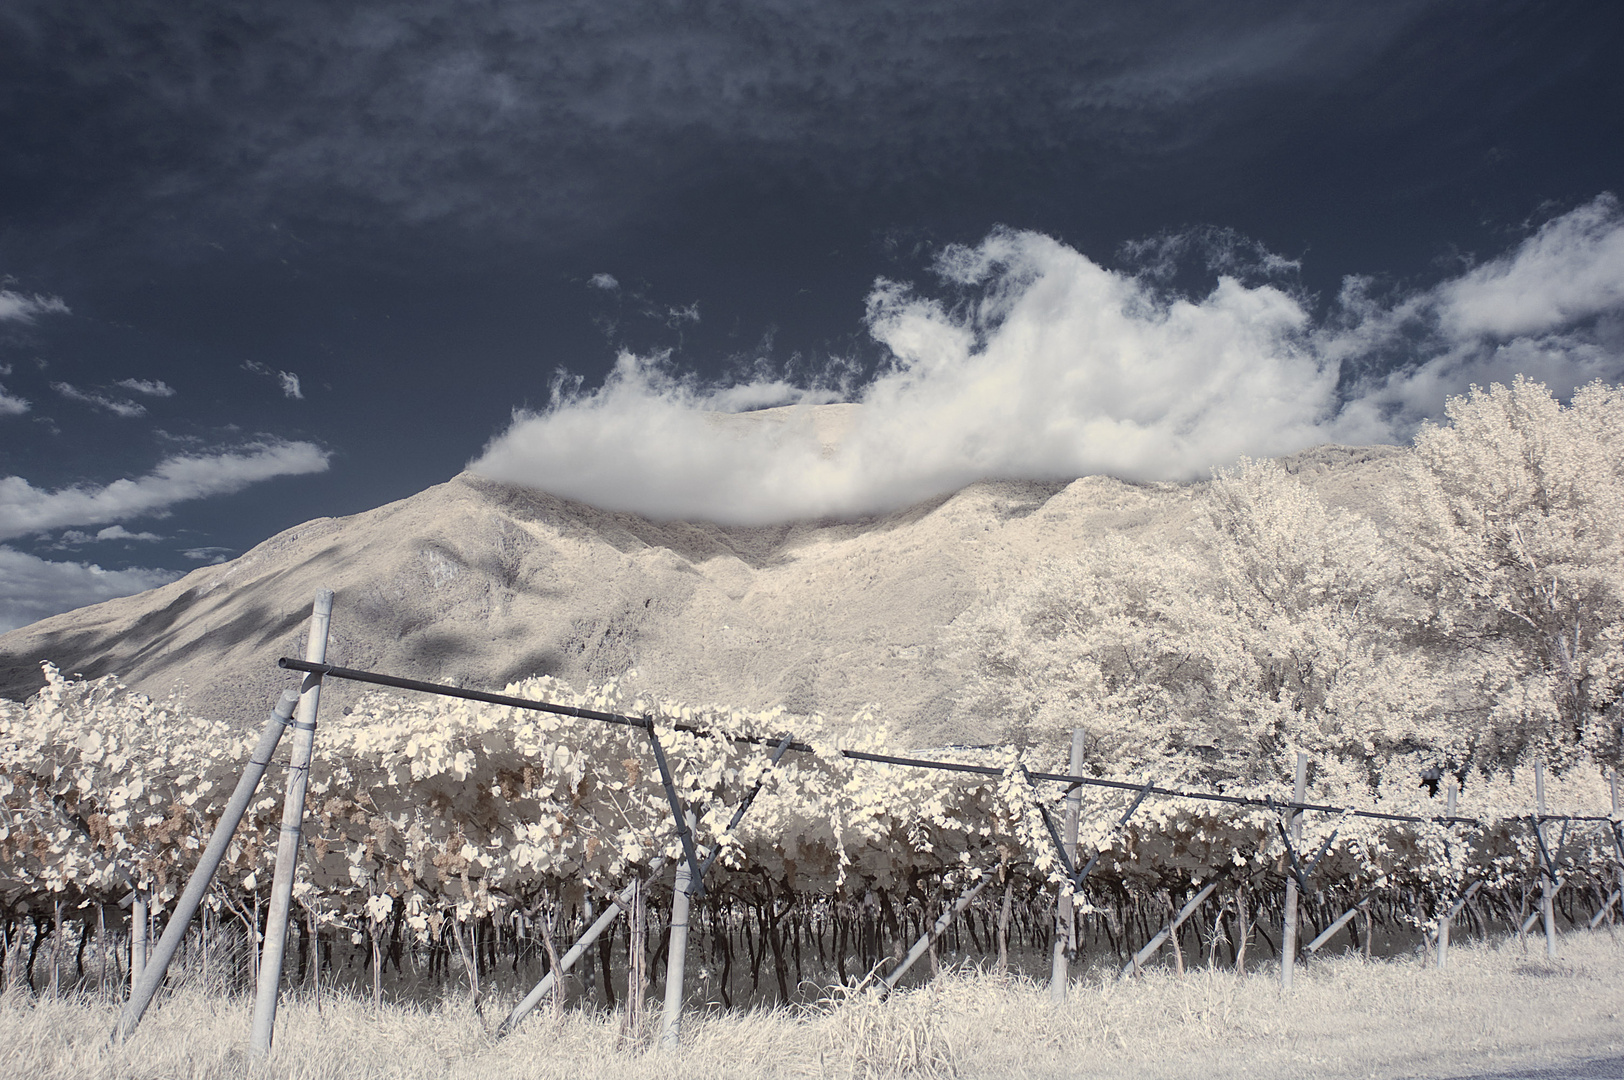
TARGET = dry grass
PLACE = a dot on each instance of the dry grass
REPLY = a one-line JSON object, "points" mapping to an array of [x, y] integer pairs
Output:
{"points": [[1500, 1006]]}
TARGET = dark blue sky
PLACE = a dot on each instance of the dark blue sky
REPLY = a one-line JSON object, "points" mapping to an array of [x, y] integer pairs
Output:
{"points": [[404, 206]]}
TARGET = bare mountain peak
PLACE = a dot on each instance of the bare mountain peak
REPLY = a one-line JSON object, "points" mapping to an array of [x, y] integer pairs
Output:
{"points": [[483, 583]]}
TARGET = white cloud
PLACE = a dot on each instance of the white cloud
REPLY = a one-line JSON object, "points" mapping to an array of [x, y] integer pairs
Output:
{"points": [[18, 307], [32, 588], [606, 282], [119, 532], [209, 555], [149, 387], [117, 407], [287, 380], [11, 404], [27, 509], [1048, 365], [1571, 269]]}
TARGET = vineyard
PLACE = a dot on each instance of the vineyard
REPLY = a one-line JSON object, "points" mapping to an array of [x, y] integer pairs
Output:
{"points": [[440, 828]]}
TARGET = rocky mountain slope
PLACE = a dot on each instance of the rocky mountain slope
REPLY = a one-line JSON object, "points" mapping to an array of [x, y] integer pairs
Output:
{"points": [[481, 583]]}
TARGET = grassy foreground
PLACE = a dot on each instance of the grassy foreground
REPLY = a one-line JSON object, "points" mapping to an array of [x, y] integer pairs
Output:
{"points": [[1499, 1006]]}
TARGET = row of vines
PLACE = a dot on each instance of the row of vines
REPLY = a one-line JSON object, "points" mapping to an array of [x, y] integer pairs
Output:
{"points": [[431, 818]]}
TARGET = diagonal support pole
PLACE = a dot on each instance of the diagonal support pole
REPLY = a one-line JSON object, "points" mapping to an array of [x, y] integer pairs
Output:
{"points": [[1081, 876], [152, 975], [611, 912], [1144, 954], [684, 833], [1341, 921], [744, 806], [937, 930]]}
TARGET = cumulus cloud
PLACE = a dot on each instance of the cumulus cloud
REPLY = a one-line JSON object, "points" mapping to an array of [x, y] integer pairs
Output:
{"points": [[32, 588], [116, 406], [1047, 365], [11, 404], [26, 509], [607, 282], [20, 307], [149, 387]]}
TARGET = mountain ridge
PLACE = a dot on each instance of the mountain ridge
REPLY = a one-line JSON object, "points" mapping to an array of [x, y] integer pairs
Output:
{"points": [[482, 583]]}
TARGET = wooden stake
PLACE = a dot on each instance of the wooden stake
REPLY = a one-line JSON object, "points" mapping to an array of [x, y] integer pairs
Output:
{"points": [[1065, 925], [1243, 928], [287, 843], [1288, 934], [636, 961], [138, 945]]}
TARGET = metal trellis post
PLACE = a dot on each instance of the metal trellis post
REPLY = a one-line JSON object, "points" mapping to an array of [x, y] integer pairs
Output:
{"points": [[1288, 935], [1065, 937], [147, 974], [287, 843]]}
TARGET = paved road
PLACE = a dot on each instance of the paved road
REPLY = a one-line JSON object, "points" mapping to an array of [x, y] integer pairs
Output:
{"points": [[1611, 1068]]}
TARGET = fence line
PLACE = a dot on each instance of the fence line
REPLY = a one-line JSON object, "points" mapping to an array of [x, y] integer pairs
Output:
{"points": [[645, 722], [692, 869]]}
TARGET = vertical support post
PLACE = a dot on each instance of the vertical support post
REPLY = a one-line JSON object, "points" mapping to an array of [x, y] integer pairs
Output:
{"points": [[287, 843], [1445, 919], [1065, 943], [1547, 887], [145, 977], [1612, 783], [677, 952], [138, 944], [1288, 934]]}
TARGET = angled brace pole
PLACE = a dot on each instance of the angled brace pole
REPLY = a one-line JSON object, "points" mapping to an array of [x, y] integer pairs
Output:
{"points": [[1144, 954], [685, 834], [1545, 865], [611, 911], [742, 808], [1093, 860], [1303, 871], [1054, 834], [153, 975], [1341, 921], [936, 930]]}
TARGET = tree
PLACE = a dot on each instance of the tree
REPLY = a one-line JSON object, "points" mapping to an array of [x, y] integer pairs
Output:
{"points": [[1514, 528]]}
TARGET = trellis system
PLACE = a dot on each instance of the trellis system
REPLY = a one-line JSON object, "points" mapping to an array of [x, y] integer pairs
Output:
{"points": [[300, 709]]}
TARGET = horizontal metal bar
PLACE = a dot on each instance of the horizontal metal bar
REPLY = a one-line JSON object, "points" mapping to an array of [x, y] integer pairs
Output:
{"points": [[644, 722]]}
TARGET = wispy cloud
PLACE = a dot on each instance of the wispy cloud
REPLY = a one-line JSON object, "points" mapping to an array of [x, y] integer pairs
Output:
{"points": [[208, 554], [287, 380], [1048, 365], [149, 387], [25, 509], [519, 114], [96, 400], [22, 307], [11, 404], [32, 588]]}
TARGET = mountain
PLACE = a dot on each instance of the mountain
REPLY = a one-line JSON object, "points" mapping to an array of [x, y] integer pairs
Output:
{"points": [[480, 583]]}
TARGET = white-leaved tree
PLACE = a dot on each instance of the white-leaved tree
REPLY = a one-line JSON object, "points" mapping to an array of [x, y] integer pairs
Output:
{"points": [[1481, 624], [1514, 528]]}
